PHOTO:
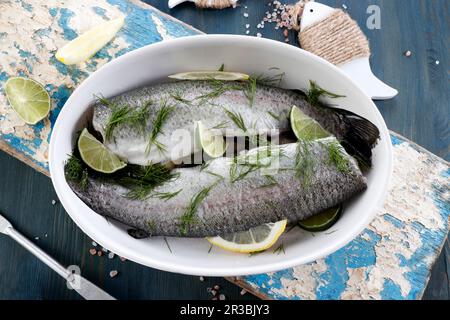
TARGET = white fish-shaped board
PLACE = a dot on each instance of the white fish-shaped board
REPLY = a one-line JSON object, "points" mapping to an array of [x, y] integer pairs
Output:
{"points": [[357, 69]]}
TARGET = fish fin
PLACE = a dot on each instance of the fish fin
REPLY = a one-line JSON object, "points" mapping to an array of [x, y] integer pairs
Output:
{"points": [[360, 136]]}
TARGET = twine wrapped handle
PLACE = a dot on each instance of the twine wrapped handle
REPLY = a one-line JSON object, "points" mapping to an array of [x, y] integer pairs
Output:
{"points": [[215, 4]]}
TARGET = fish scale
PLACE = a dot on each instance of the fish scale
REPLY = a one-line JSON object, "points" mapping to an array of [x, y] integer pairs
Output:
{"points": [[230, 207]]}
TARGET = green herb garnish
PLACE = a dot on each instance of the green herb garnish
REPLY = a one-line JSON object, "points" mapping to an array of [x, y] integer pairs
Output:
{"points": [[280, 249], [315, 92], [250, 91], [76, 171], [273, 115], [236, 117], [160, 119], [166, 195], [336, 158], [178, 96], [121, 115], [143, 180], [304, 163], [222, 67], [189, 214]]}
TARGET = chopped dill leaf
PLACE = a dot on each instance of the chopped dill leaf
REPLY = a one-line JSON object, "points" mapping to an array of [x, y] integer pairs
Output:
{"points": [[222, 67], [304, 163], [167, 243], [214, 174], [236, 117], [188, 216], [210, 248], [76, 171], [151, 226], [160, 119], [219, 87], [134, 117], [166, 195], [315, 92], [280, 249], [250, 91], [273, 115], [271, 181], [336, 158], [221, 125], [274, 80], [178, 96], [143, 180]]}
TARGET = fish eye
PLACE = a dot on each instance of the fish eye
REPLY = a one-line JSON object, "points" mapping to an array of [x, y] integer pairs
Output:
{"points": [[311, 10]]}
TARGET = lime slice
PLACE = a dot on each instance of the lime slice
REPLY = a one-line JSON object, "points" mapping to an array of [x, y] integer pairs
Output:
{"points": [[96, 156], [254, 240], [212, 141], [306, 128], [86, 45], [322, 221], [28, 98], [210, 75]]}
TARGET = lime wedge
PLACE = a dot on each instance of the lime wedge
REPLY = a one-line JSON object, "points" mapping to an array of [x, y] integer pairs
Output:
{"points": [[210, 75], [212, 141], [28, 98], [322, 221], [306, 128], [96, 156], [254, 240], [86, 45]]}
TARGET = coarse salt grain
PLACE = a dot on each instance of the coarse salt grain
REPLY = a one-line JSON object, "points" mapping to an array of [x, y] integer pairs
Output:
{"points": [[93, 252], [113, 273], [94, 243], [111, 255], [246, 14], [259, 35]]}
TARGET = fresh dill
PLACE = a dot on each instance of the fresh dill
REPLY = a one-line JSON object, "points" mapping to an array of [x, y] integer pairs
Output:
{"points": [[222, 67], [151, 226], [121, 115], [221, 125], [167, 243], [178, 96], [141, 181], [188, 216], [236, 117], [210, 248], [273, 80], [251, 254], [250, 90], [273, 115], [280, 249], [218, 88], [271, 181], [166, 195], [315, 92], [336, 157], [161, 118], [304, 163], [214, 174], [76, 171]]}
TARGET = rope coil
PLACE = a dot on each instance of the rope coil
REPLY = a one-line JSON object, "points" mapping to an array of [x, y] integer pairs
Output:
{"points": [[337, 39], [215, 4]]}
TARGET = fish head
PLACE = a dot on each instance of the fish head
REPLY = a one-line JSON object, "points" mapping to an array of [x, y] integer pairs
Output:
{"points": [[314, 12]]}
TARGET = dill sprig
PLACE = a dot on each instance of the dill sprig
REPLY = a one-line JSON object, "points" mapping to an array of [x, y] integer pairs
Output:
{"points": [[280, 249], [188, 216], [219, 87], [271, 181], [222, 67], [178, 96], [236, 117], [273, 80], [76, 171], [221, 125], [250, 90], [315, 92], [121, 115], [304, 163], [166, 195], [336, 158], [273, 115], [141, 181], [161, 118]]}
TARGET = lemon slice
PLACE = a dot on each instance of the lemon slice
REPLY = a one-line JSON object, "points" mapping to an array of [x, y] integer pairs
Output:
{"points": [[306, 128], [254, 240], [28, 98], [86, 45], [96, 156], [322, 221], [211, 75], [212, 141]]}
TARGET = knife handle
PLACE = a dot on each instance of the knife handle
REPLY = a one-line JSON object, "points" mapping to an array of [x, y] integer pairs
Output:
{"points": [[85, 288]]}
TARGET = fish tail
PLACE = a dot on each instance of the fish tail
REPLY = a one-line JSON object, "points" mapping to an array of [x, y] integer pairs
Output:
{"points": [[360, 136]]}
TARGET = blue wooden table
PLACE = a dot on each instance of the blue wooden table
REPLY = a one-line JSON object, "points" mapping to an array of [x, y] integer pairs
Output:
{"points": [[420, 113]]}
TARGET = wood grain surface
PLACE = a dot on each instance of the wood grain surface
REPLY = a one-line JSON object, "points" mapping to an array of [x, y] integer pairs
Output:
{"points": [[420, 113]]}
